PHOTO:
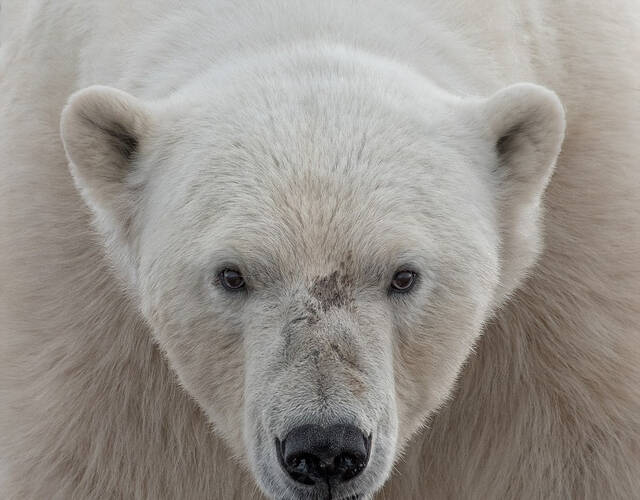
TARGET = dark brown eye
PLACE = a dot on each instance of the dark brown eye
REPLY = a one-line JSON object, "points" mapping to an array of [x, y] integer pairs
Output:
{"points": [[403, 281], [232, 279]]}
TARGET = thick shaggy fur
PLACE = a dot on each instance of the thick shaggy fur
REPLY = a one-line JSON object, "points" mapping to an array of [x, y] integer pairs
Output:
{"points": [[546, 406]]}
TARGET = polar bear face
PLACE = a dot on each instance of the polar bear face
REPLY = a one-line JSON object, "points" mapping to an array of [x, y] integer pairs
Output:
{"points": [[316, 248]]}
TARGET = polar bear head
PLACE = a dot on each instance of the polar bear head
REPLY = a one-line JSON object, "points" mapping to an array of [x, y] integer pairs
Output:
{"points": [[316, 243]]}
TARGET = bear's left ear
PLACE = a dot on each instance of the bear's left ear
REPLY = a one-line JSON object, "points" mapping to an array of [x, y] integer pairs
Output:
{"points": [[102, 131], [526, 128], [526, 124]]}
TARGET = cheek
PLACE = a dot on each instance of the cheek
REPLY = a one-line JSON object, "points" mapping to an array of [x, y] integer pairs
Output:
{"points": [[428, 355], [205, 350], [416, 395], [210, 365]]}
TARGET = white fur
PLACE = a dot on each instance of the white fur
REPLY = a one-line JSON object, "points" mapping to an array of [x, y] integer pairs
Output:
{"points": [[319, 146]]}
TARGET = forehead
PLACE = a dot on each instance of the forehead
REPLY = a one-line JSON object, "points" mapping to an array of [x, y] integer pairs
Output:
{"points": [[323, 215], [319, 142], [320, 226], [308, 168], [319, 184]]}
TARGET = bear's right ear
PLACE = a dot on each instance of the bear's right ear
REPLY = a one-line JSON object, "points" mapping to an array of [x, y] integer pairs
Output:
{"points": [[102, 130]]}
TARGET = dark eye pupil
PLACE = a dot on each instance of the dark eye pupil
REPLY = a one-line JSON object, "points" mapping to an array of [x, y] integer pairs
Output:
{"points": [[231, 279], [403, 280]]}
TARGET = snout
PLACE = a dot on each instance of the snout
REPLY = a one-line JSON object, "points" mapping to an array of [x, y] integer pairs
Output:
{"points": [[311, 454], [321, 420]]}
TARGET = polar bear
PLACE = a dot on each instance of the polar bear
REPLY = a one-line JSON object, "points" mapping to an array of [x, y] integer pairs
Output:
{"points": [[279, 249]]}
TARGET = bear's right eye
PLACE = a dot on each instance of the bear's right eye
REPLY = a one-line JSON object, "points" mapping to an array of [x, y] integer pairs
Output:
{"points": [[231, 279]]}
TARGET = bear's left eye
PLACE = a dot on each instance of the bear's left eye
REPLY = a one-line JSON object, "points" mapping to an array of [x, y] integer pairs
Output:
{"points": [[403, 281], [232, 280]]}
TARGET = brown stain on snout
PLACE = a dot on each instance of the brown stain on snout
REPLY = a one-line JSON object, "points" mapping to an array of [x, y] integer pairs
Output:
{"points": [[352, 370], [333, 365], [355, 383], [346, 356], [333, 290], [333, 359]]}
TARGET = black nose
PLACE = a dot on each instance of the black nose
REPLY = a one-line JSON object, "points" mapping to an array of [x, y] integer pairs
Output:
{"points": [[311, 453]]}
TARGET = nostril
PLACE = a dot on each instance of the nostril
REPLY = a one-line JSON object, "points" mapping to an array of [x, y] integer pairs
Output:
{"points": [[312, 453], [304, 468], [349, 466]]}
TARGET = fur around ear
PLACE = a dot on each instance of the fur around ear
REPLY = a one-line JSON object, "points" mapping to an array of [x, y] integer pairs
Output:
{"points": [[526, 125], [102, 129]]}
